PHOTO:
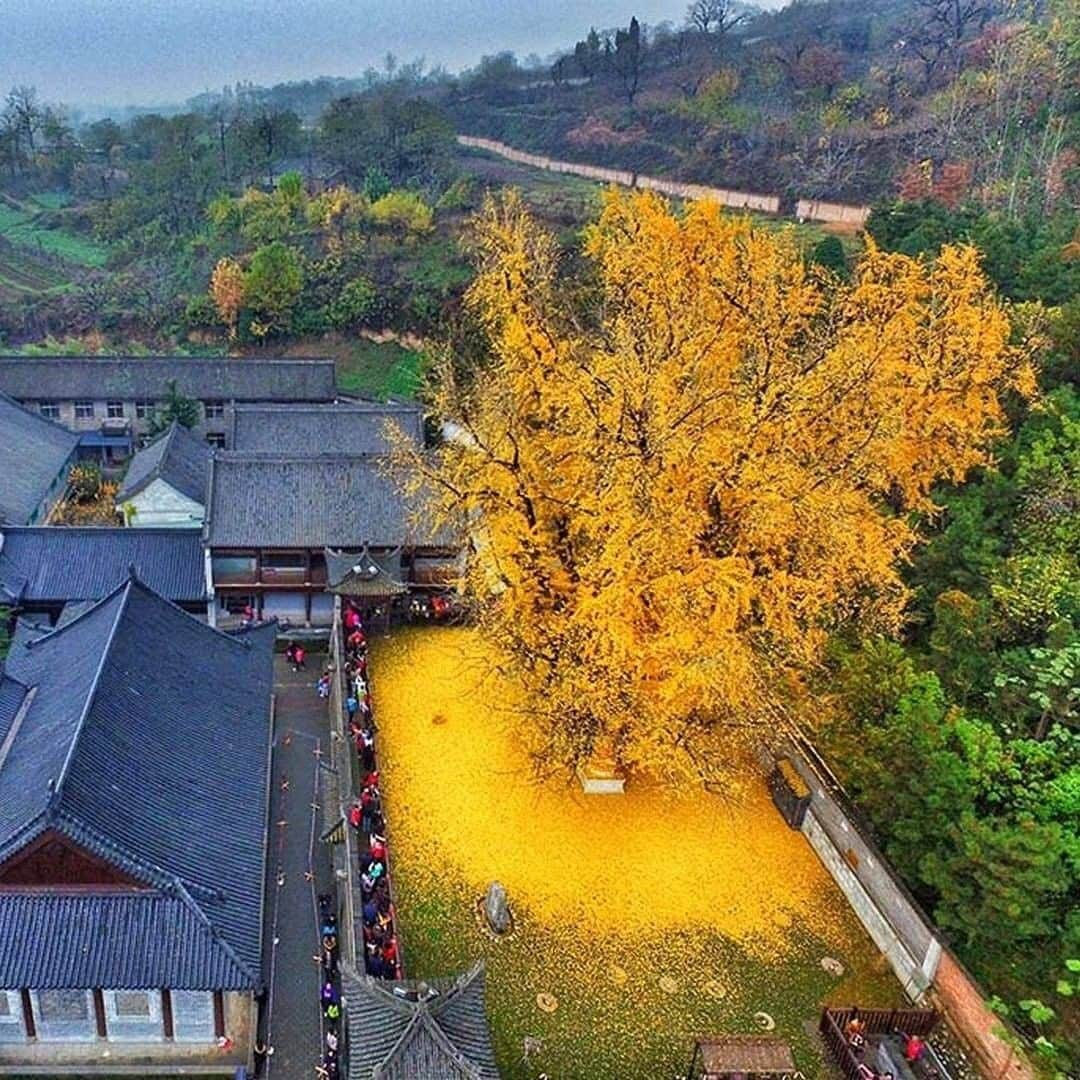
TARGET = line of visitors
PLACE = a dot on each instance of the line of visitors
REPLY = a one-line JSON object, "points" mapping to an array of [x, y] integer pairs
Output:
{"points": [[330, 993], [382, 958]]}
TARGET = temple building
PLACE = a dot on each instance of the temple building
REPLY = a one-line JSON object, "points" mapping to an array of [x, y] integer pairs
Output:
{"points": [[271, 518], [110, 401], [165, 484], [43, 570], [134, 776]]}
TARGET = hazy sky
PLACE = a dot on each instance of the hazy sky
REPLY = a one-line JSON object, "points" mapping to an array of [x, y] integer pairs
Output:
{"points": [[146, 51]]}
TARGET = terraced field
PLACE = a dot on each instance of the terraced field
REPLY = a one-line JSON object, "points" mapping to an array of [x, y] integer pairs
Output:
{"points": [[27, 224], [21, 272]]}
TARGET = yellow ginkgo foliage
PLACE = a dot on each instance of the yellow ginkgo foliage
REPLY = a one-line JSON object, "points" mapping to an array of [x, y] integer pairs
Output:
{"points": [[679, 488]]}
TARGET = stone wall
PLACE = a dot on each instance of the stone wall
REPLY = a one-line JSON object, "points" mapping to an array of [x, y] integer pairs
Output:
{"points": [[742, 200], [912, 944], [836, 213], [805, 210]]}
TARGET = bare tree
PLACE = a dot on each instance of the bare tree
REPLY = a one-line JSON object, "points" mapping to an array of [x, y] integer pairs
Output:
{"points": [[27, 113], [714, 18], [943, 27], [223, 116]]}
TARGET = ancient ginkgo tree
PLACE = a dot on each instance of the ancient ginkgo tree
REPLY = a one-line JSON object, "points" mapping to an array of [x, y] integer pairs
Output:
{"points": [[676, 495]]}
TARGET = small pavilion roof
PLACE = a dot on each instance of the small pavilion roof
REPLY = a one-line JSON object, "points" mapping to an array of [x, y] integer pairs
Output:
{"points": [[750, 1054], [365, 574], [407, 1030]]}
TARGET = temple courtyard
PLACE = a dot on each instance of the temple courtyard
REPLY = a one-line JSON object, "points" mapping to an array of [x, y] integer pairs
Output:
{"points": [[641, 921]]}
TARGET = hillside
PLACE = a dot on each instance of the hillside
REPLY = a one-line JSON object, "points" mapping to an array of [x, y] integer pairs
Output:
{"points": [[839, 100]]}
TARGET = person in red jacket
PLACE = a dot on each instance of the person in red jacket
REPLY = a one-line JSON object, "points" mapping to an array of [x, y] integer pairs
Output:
{"points": [[914, 1049]]}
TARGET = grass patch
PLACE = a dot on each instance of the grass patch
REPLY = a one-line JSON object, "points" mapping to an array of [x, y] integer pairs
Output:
{"points": [[651, 919], [29, 230], [379, 369]]}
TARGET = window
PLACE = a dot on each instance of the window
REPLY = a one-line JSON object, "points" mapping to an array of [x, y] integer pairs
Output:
{"points": [[193, 1016], [11, 1017], [114, 410], [284, 560], [233, 569], [131, 1004], [144, 409], [215, 439], [50, 410], [64, 1015], [213, 410], [84, 410], [133, 1015]]}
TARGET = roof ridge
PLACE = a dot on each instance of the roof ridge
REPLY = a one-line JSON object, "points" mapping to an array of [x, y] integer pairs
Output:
{"points": [[234, 637], [43, 420], [215, 932], [231, 456], [422, 1019], [339, 405], [461, 984], [61, 627], [74, 828], [95, 530], [92, 693]]}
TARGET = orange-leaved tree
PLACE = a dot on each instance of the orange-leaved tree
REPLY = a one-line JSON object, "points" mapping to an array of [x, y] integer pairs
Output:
{"points": [[227, 292], [677, 495]]}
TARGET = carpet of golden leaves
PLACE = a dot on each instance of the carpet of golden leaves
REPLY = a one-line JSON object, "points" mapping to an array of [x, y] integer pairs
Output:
{"points": [[646, 916]]}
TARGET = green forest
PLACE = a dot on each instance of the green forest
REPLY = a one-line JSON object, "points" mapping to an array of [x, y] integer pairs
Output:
{"points": [[326, 218]]}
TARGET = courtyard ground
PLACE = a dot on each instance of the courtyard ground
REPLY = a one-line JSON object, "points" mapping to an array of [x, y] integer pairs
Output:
{"points": [[641, 921], [295, 852]]}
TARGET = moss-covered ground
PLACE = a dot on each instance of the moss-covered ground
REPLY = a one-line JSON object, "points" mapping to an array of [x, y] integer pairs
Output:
{"points": [[648, 918]]}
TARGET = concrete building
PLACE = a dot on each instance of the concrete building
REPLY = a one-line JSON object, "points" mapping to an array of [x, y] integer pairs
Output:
{"points": [[134, 776], [165, 484], [35, 456], [110, 401]]}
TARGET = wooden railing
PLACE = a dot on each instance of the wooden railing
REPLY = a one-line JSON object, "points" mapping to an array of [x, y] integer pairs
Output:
{"points": [[875, 1022]]}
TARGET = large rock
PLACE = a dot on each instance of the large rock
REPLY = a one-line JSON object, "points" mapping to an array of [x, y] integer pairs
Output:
{"points": [[496, 908]]}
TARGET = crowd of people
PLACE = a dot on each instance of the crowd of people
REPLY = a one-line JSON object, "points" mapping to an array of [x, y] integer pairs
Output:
{"points": [[382, 958], [330, 992]]}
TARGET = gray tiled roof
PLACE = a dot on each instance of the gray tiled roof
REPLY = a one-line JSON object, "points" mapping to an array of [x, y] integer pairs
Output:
{"points": [[358, 427], [33, 453], [39, 565], [365, 574], [145, 744], [177, 457], [54, 940], [67, 378], [443, 1037], [12, 693], [262, 500]]}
